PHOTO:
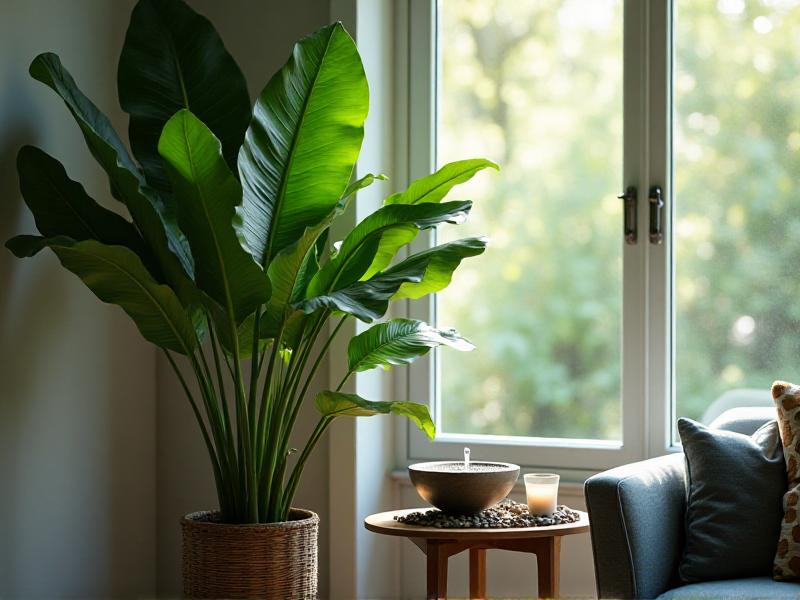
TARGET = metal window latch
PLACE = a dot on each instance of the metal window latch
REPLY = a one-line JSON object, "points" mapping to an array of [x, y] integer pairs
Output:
{"points": [[656, 215], [629, 218]]}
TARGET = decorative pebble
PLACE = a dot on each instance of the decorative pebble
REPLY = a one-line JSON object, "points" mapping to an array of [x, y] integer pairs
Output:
{"points": [[506, 514]]}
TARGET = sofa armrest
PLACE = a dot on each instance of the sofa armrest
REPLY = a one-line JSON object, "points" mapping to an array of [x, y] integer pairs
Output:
{"points": [[637, 526]]}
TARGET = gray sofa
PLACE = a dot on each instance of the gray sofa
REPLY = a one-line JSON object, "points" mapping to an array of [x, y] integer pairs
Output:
{"points": [[637, 516]]}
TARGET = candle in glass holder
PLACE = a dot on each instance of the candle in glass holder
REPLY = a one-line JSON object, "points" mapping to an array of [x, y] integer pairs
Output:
{"points": [[542, 492]]}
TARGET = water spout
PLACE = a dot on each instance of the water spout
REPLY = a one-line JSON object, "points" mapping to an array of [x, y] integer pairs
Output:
{"points": [[466, 459]]}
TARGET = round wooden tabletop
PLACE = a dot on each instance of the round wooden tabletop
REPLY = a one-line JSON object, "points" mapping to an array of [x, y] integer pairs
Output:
{"points": [[384, 523]]}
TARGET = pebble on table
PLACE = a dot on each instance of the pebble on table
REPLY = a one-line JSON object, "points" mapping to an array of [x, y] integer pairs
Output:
{"points": [[506, 514]]}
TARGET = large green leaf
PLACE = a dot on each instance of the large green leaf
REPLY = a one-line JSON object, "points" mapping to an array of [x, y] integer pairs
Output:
{"points": [[366, 300], [372, 244], [206, 194], [61, 206], [173, 58], [440, 262], [117, 276], [127, 182], [288, 269], [303, 141], [399, 342], [419, 274], [434, 187], [337, 404], [25, 246], [293, 267]]}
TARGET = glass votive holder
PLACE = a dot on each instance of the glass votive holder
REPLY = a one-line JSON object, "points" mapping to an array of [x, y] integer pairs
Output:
{"points": [[542, 492]]}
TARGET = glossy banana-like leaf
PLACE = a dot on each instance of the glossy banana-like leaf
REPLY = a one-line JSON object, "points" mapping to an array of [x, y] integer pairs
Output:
{"points": [[303, 140], [419, 274], [206, 195], [173, 58], [372, 244], [117, 276], [440, 263], [399, 342], [434, 187], [127, 183], [366, 300], [288, 270], [293, 267], [61, 207], [337, 404]]}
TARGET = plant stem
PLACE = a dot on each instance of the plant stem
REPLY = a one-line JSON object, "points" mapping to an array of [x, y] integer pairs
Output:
{"points": [[255, 367], [218, 479], [262, 409], [297, 401], [282, 428], [226, 417], [294, 478]]}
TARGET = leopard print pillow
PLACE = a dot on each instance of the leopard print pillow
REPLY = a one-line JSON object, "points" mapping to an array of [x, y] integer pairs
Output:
{"points": [[787, 557]]}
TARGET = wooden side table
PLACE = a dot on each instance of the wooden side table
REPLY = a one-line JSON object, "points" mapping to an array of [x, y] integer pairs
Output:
{"points": [[441, 544]]}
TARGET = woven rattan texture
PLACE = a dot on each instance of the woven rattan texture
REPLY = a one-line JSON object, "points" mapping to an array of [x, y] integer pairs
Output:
{"points": [[274, 560]]}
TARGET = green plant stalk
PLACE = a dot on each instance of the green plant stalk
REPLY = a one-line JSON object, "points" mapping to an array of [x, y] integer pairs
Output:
{"points": [[218, 478], [217, 402], [207, 392], [279, 454], [262, 413], [267, 454], [251, 493], [255, 366], [232, 458], [296, 402], [266, 399], [226, 419], [294, 478]]}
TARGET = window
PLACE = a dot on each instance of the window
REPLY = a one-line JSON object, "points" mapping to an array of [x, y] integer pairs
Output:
{"points": [[737, 198], [588, 346]]}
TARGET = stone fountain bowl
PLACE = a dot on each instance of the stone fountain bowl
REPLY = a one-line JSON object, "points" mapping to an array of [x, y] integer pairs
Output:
{"points": [[454, 490]]}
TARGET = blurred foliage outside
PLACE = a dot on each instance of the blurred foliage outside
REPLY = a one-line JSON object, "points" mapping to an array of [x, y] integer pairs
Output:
{"points": [[536, 85]]}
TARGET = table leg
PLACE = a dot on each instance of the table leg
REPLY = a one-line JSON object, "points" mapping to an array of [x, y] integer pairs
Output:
{"points": [[437, 570], [547, 563], [477, 573]]}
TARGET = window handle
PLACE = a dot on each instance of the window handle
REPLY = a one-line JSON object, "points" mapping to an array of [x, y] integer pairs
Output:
{"points": [[656, 215], [629, 214]]}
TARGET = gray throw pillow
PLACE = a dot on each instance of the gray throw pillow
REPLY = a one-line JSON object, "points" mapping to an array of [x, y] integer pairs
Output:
{"points": [[735, 484]]}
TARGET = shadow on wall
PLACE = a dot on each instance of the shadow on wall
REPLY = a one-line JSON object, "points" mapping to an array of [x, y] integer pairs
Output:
{"points": [[77, 385], [12, 321]]}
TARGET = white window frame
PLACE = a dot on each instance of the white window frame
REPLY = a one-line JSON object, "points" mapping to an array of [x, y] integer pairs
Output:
{"points": [[647, 296]]}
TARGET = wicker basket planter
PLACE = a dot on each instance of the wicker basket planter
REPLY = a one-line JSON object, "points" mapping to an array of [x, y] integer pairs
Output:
{"points": [[274, 560]]}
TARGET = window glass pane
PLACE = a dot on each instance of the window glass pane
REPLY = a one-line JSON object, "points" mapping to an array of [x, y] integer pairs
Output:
{"points": [[535, 85], [737, 201]]}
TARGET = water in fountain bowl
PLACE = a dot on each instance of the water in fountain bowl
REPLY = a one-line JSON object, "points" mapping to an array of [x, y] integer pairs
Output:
{"points": [[458, 467], [451, 488]]}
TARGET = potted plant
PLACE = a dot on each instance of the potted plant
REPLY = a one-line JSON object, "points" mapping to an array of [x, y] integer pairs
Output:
{"points": [[226, 263]]}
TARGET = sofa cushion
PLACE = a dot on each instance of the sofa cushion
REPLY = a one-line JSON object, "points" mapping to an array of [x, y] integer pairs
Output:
{"points": [[787, 555], [735, 484], [754, 588]]}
